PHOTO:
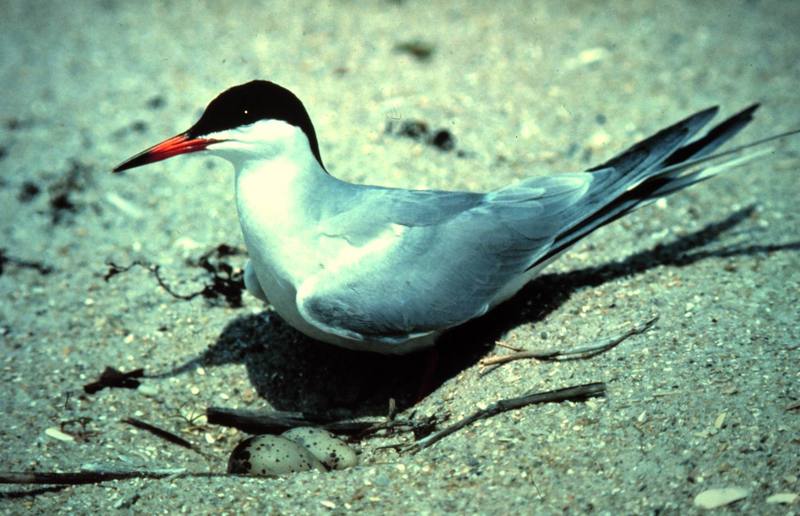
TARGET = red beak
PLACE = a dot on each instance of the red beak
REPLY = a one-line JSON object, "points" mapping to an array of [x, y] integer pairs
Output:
{"points": [[180, 144]]}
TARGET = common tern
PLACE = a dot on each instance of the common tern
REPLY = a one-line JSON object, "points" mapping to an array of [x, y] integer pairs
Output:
{"points": [[389, 270]]}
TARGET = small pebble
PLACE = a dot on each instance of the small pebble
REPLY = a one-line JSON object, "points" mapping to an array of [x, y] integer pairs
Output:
{"points": [[325, 447], [592, 55], [786, 498], [56, 433], [598, 140], [270, 455], [587, 57], [147, 390], [713, 498], [125, 206], [187, 244]]}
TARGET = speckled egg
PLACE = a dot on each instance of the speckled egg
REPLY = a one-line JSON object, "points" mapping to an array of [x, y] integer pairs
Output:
{"points": [[270, 455], [325, 447]]}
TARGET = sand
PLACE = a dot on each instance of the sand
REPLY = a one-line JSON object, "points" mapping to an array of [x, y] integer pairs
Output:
{"points": [[707, 399]]}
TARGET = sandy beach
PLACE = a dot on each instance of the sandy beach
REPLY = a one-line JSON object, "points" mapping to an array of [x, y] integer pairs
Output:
{"points": [[708, 398]]}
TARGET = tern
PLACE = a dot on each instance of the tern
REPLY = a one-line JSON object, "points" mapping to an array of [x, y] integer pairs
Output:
{"points": [[389, 270]]}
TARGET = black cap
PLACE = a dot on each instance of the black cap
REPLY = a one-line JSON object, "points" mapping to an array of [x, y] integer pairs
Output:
{"points": [[253, 101]]}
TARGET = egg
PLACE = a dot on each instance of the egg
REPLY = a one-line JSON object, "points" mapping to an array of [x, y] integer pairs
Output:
{"points": [[332, 452], [270, 455]]}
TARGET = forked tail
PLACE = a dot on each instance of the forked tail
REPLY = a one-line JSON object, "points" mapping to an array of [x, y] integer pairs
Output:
{"points": [[658, 166]]}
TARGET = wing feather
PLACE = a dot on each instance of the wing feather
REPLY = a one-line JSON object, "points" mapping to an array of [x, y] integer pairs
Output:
{"points": [[456, 251]]}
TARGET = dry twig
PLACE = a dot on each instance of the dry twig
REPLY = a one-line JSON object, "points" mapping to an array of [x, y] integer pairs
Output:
{"points": [[582, 352], [163, 434], [95, 476], [578, 393]]}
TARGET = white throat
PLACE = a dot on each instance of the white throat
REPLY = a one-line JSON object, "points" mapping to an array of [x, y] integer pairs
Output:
{"points": [[277, 183], [280, 191]]}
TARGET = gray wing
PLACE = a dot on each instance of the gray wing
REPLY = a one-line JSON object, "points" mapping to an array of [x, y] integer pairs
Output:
{"points": [[457, 250], [460, 250]]}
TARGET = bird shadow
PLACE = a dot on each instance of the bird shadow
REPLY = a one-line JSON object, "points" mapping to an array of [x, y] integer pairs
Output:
{"points": [[294, 372]]}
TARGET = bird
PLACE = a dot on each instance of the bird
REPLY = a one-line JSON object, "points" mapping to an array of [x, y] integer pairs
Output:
{"points": [[389, 270]]}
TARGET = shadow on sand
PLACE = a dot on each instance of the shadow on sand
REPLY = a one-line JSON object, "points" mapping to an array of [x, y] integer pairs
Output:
{"points": [[293, 372]]}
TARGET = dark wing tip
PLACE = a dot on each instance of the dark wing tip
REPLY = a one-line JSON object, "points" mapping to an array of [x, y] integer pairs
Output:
{"points": [[715, 137], [748, 111]]}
